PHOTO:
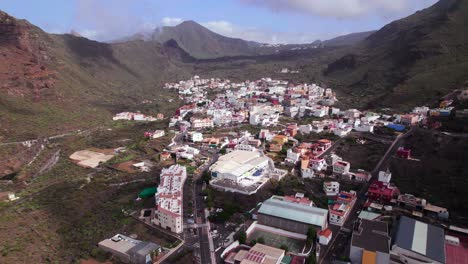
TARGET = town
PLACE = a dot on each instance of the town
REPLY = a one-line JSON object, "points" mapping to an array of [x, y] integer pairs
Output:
{"points": [[232, 141]]}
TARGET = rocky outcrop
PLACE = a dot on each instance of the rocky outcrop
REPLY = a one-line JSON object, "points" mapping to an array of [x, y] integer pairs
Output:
{"points": [[25, 63]]}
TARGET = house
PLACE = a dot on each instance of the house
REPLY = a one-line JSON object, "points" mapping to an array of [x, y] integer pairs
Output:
{"points": [[144, 166], [202, 123], [409, 119], [318, 164], [342, 131], [280, 139], [158, 134], [324, 236], [382, 192], [274, 147], [385, 176], [403, 153], [341, 167], [160, 116], [370, 242], [418, 242], [245, 147], [194, 136], [292, 156], [165, 156], [331, 188], [339, 211], [130, 250]]}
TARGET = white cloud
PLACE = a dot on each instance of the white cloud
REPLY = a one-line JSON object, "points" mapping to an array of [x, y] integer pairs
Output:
{"points": [[171, 21], [342, 8], [88, 33], [261, 35]]}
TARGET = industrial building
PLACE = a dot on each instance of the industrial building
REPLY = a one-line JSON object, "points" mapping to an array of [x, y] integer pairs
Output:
{"points": [[239, 165], [130, 250], [291, 214]]}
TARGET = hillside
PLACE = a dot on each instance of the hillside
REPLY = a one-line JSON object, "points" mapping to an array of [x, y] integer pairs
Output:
{"points": [[412, 60], [203, 43], [54, 83], [348, 39]]}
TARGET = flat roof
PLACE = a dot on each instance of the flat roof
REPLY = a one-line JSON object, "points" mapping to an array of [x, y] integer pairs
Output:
{"points": [[372, 236], [427, 240], [276, 206]]}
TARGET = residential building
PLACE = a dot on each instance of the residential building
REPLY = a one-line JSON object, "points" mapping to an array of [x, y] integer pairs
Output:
{"points": [[280, 139], [418, 242], [202, 123], [403, 153], [370, 242], [339, 211], [194, 136], [158, 134], [341, 167], [274, 147], [325, 236], [297, 217], [385, 176], [245, 147], [331, 188], [409, 119], [292, 156], [169, 199], [318, 164], [382, 192], [130, 250], [123, 116]]}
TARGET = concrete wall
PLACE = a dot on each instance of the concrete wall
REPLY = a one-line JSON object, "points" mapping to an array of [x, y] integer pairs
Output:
{"points": [[355, 254], [285, 224]]}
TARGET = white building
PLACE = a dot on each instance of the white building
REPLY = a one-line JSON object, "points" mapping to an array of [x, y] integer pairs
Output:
{"points": [[158, 134], [123, 116], [194, 136], [385, 176], [364, 128], [341, 167], [307, 173], [245, 147], [202, 123], [342, 131], [238, 165], [169, 199], [331, 188], [292, 156]]}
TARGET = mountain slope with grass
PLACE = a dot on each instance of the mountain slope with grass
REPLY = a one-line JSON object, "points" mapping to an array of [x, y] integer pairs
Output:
{"points": [[409, 61], [54, 83]]}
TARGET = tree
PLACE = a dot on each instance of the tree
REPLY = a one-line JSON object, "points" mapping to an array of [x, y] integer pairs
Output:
{"points": [[312, 259], [222, 151], [284, 247], [241, 236], [311, 235], [206, 177], [261, 240]]}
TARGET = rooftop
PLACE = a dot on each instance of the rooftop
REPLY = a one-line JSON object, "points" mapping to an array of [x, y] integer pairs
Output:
{"points": [[372, 236], [279, 207], [427, 240]]}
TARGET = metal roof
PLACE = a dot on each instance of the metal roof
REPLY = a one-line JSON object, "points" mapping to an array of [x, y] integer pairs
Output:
{"points": [[427, 240], [275, 206]]}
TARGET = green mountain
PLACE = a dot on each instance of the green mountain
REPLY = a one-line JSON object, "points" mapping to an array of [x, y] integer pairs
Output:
{"points": [[413, 60]]}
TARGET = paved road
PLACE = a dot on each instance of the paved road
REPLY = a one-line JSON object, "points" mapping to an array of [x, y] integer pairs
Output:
{"points": [[340, 241]]}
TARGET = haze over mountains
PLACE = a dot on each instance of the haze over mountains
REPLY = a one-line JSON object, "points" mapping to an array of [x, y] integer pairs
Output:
{"points": [[64, 81]]}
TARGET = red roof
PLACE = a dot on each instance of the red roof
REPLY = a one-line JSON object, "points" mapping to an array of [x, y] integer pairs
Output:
{"points": [[325, 233], [457, 254]]}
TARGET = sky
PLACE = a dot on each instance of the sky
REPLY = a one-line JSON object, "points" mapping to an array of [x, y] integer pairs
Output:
{"points": [[265, 21]]}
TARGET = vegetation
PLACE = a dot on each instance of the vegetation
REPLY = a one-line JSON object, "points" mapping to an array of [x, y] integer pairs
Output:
{"points": [[241, 236]]}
